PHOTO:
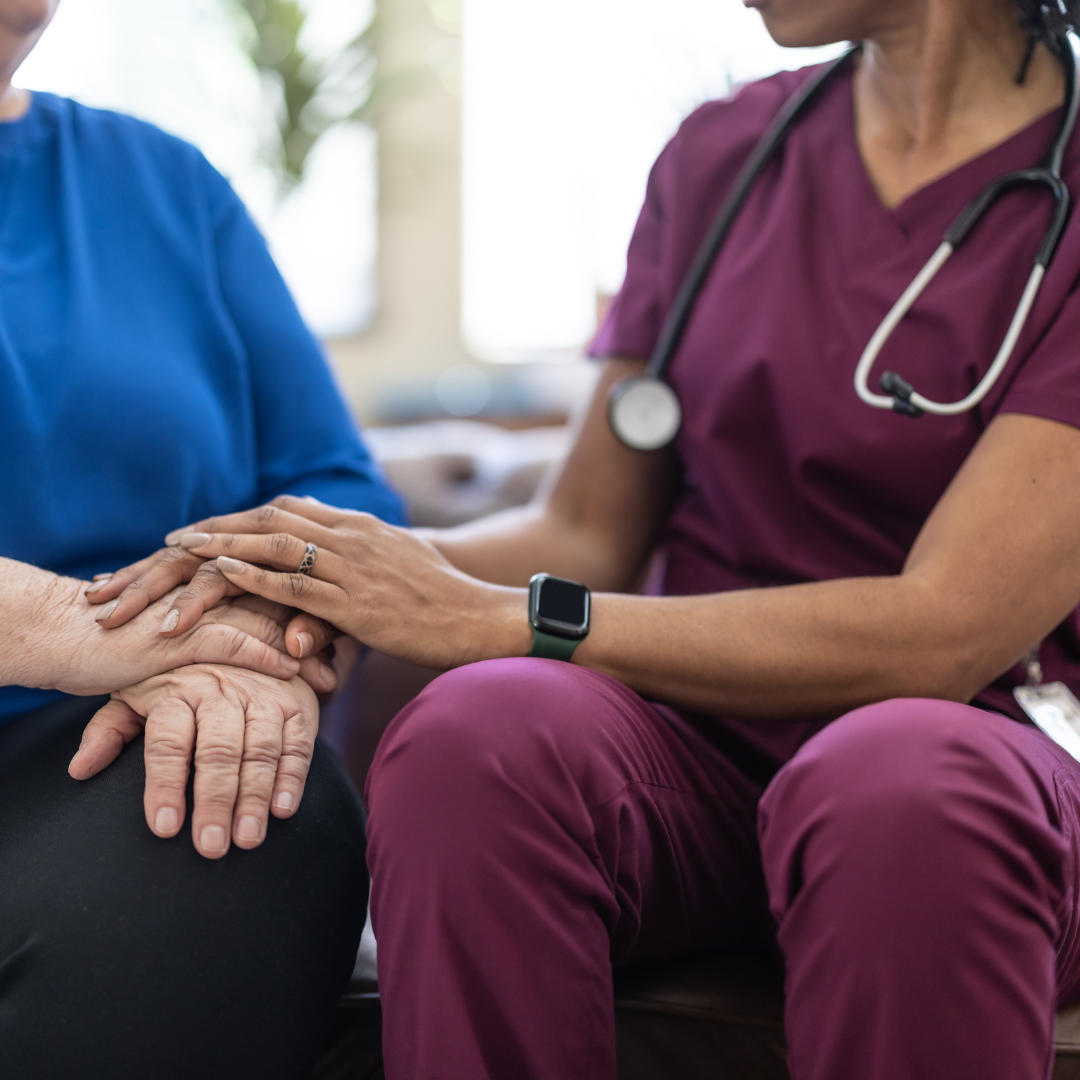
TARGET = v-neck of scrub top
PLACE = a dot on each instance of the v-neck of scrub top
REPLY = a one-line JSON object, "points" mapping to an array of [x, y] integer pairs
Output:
{"points": [[929, 206]]}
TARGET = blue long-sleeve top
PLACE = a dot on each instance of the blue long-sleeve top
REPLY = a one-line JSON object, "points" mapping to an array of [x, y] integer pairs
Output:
{"points": [[153, 366]]}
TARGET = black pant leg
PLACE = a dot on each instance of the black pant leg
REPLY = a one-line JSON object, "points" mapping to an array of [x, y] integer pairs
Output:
{"points": [[126, 956]]}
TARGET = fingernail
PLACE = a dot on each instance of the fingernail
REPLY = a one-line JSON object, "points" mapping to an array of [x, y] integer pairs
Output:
{"points": [[212, 838], [285, 801], [194, 540], [166, 820], [249, 828], [230, 566], [327, 673], [173, 539], [103, 577], [310, 498], [98, 585], [106, 611], [168, 625], [306, 643]]}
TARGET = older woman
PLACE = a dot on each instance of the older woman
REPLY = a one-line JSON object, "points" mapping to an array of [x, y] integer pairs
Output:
{"points": [[818, 710], [154, 368]]}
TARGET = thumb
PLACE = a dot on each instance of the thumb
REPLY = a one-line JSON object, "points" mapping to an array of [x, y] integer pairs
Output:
{"points": [[113, 725], [307, 634]]}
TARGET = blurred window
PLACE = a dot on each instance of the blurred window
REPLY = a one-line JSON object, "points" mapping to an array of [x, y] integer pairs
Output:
{"points": [[566, 105], [183, 65]]}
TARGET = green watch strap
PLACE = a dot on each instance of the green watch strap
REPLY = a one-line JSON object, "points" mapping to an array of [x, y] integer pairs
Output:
{"points": [[551, 647]]}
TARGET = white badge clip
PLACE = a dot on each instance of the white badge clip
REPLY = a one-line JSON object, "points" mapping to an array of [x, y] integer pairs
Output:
{"points": [[1052, 707]]}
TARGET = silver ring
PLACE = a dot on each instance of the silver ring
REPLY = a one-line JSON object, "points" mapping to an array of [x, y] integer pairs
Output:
{"points": [[308, 561]]}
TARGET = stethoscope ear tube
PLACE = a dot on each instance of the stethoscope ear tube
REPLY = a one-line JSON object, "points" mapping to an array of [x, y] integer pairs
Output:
{"points": [[900, 395]]}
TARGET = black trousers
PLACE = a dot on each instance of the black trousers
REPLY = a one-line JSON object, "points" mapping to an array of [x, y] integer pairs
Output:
{"points": [[125, 956]]}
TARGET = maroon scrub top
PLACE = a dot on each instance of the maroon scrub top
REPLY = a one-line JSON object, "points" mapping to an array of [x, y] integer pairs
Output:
{"points": [[789, 476]]}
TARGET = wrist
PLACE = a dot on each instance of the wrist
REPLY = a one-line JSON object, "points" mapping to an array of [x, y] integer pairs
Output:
{"points": [[506, 622], [49, 641]]}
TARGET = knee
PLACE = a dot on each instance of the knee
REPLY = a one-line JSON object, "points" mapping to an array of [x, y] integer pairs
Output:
{"points": [[478, 740], [903, 779]]}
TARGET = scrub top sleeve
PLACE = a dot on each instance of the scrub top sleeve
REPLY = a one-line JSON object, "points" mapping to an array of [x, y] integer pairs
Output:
{"points": [[633, 323], [1047, 382], [307, 442]]}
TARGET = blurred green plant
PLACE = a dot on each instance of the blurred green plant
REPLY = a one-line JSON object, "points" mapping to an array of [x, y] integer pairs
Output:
{"points": [[317, 90]]}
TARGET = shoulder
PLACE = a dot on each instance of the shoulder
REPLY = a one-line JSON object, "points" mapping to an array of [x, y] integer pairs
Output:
{"points": [[698, 166], [104, 131], [749, 108], [124, 158], [722, 133]]}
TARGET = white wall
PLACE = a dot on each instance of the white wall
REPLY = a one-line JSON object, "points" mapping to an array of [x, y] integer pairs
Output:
{"points": [[566, 105]]}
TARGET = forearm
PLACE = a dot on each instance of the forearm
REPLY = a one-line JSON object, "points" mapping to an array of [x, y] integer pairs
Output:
{"points": [[34, 605], [509, 547], [796, 652]]}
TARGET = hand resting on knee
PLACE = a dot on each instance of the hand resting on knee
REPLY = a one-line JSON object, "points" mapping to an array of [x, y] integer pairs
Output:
{"points": [[249, 736]]}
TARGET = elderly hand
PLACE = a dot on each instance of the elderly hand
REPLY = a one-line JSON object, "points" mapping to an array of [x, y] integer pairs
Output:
{"points": [[381, 584], [251, 738], [65, 648]]}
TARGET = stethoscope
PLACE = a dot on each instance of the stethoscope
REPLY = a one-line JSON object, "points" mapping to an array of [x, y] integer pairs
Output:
{"points": [[644, 411]]}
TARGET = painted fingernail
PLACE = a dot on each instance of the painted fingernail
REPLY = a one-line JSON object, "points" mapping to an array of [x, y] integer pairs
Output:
{"points": [[249, 828], [166, 820], [284, 801], [230, 566], [168, 624], [98, 585], [194, 540], [212, 838], [106, 611], [306, 643], [103, 577]]}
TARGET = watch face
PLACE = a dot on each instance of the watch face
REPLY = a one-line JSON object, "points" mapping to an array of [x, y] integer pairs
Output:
{"points": [[559, 607]]}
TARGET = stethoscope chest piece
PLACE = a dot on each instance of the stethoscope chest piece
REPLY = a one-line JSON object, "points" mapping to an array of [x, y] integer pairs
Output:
{"points": [[644, 412]]}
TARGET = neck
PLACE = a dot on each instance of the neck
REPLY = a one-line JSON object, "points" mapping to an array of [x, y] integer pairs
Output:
{"points": [[937, 90], [14, 102]]}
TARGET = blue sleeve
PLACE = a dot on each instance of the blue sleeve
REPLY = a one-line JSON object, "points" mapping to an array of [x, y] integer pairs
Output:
{"points": [[307, 442]]}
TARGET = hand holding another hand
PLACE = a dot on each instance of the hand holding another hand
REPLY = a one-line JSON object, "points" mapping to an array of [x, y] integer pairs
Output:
{"points": [[381, 584]]}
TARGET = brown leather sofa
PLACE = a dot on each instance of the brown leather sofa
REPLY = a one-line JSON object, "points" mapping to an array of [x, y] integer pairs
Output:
{"points": [[698, 1018], [694, 1018]]}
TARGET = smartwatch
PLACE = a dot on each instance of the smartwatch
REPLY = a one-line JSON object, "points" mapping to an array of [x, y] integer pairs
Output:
{"points": [[559, 616]]}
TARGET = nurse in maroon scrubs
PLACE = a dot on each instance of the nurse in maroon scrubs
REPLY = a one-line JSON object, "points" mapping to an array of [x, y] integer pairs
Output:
{"points": [[808, 731]]}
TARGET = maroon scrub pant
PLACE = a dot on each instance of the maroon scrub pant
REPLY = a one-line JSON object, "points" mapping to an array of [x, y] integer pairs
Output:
{"points": [[533, 822]]}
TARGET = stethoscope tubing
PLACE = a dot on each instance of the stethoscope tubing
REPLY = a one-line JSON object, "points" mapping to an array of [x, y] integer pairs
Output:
{"points": [[901, 396], [901, 308], [644, 411]]}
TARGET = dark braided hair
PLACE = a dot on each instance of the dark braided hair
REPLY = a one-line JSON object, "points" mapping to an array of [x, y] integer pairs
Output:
{"points": [[1046, 21]]}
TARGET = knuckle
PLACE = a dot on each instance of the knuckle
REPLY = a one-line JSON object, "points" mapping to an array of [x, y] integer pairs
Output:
{"points": [[217, 756], [279, 544], [262, 754], [166, 745], [267, 515], [174, 556], [206, 581], [281, 501], [297, 585]]}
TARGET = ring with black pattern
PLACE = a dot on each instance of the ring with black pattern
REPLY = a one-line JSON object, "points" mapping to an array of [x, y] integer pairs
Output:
{"points": [[308, 561]]}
